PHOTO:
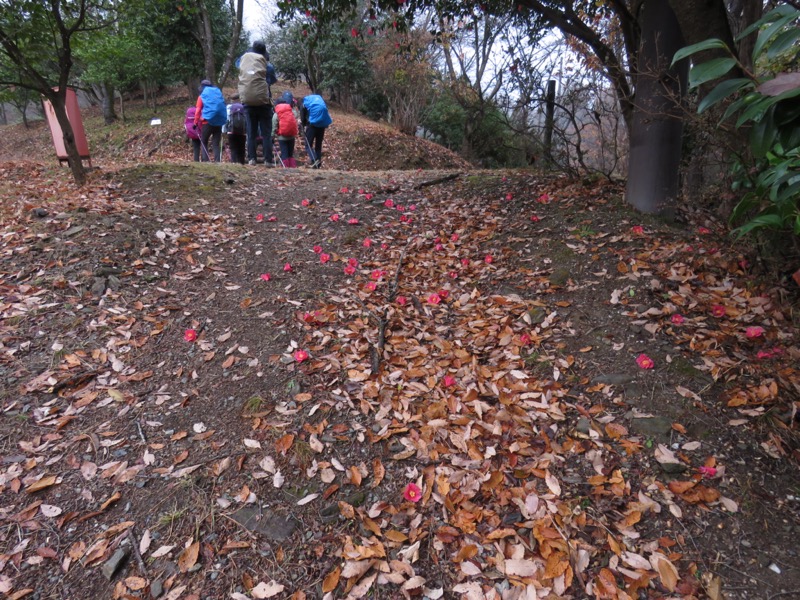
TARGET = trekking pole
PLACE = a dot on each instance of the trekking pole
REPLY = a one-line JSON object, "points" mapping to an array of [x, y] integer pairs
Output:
{"points": [[309, 151], [276, 150]]}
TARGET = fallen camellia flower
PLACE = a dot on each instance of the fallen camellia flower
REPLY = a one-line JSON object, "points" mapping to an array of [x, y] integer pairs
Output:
{"points": [[367, 243], [644, 361], [434, 299], [718, 310], [707, 472], [266, 276], [287, 267], [190, 335], [412, 493], [323, 258], [677, 319], [449, 381], [754, 332], [300, 355], [317, 249]]}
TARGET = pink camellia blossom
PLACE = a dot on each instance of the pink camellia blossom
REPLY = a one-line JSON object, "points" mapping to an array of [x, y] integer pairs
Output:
{"points": [[401, 300], [352, 221], [408, 219], [453, 274], [261, 201], [438, 247], [305, 202], [762, 354], [272, 219], [190, 335], [754, 332], [287, 267], [266, 276], [368, 196], [324, 257], [454, 237], [403, 219], [707, 472], [366, 243], [300, 355], [400, 207], [677, 319], [361, 190], [317, 249], [509, 196], [413, 207], [310, 317], [389, 203], [703, 230], [354, 32], [412, 493], [718, 310], [371, 286], [434, 299], [349, 270], [543, 199], [465, 262], [334, 217], [377, 274], [449, 381], [352, 262], [384, 246], [443, 294], [344, 190], [488, 260], [637, 230], [644, 361], [524, 339], [535, 218], [259, 218]]}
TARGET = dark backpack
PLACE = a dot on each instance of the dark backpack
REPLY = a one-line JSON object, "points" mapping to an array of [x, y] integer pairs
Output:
{"points": [[237, 123]]}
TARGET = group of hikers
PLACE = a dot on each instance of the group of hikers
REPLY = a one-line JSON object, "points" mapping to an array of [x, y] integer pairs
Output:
{"points": [[250, 118]]}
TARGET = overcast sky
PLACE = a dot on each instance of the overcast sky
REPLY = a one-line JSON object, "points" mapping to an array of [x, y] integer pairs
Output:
{"points": [[257, 13]]}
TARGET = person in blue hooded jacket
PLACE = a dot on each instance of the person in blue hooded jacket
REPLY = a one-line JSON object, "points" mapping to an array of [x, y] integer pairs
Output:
{"points": [[316, 119]]}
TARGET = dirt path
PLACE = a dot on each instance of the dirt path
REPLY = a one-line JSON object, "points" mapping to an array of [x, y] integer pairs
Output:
{"points": [[498, 365]]}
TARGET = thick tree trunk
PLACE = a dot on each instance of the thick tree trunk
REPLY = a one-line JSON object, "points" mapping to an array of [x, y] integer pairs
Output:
{"points": [[206, 36], [109, 116], [657, 120]]}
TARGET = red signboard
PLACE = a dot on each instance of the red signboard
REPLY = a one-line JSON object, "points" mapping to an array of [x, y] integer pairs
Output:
{"points": [[74, 114]]}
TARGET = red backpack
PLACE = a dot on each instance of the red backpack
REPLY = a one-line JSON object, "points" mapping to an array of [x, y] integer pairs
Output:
{"points": [[192, 131], [287, 124]]}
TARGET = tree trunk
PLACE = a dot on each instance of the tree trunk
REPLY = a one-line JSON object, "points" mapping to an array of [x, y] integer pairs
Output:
{"points": [[109, 116], [121, 106], [657, 123], [58, 100], [237, 29], [549, 121], [206, 35]]}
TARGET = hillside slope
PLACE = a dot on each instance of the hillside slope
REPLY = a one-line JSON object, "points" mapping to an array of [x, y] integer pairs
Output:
{"points": [[351, 143]]}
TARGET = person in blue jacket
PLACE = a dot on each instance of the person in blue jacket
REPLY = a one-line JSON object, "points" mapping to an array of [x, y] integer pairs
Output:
{"points": [[316, 119]]}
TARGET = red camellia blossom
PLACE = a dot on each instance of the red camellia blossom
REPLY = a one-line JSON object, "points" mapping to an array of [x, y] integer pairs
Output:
{"points": [[389, 203], [317, 249], [371, 286], [434, 299], [349, 270], [366, 243], [543, 199], [438, 247], [465, 262], [259, 217], [401, 300], [509, 196], [707, 472], [324, 258], [524, 339], [352, 221], [412, 493], [352, 262], [272, 219], [413, 207], [334, 217], [305, 202], [344, 190], [764, 354], [300, 355], [703, 230], [534, 218], [644, 361], [354, 32], [403, 218], [378, 274], [190, 335], [449, 381], [287, 267], [453, 274], [400, 207], [384, 246], [489, 260], [677, 319], [637, 230], [454, 237], [443, 294], [718, 310], [368, 196], [266, 276], [754, 332]]}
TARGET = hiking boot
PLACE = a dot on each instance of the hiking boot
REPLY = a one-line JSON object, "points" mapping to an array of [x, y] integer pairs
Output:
{"points": [[251, 162]]}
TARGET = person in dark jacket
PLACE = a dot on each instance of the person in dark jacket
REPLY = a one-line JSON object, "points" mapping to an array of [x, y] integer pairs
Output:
{"points": [[256, 75], [316, 119]]}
